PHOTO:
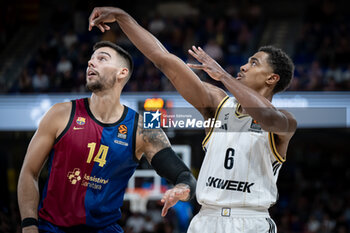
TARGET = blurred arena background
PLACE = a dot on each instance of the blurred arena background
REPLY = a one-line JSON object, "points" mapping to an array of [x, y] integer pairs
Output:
{"points": [[45, 46]]}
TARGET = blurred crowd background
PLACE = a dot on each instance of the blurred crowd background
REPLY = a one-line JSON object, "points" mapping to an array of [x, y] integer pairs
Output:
{"points": [[45, 46], [315, 33]]}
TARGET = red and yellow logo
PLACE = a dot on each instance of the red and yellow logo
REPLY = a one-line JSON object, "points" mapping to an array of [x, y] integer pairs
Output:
{"points": [[123, 129], [81, 121]]}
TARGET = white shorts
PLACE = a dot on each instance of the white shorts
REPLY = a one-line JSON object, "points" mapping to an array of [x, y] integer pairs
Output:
{"points": [[229, 220]]}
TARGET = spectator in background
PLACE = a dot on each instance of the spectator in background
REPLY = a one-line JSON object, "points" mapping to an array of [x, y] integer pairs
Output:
{"points": [[40, 81], [79, 85], [25, 82], [64, 65], [135, 223], [316, 70], [157, 25], [214, 50], [70, 39], [334, 78], [244, 37], [67, 81], [314, 83]]}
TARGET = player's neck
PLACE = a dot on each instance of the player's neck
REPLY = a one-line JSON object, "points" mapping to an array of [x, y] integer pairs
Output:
{"points": [[267, 93], [106, 107]]}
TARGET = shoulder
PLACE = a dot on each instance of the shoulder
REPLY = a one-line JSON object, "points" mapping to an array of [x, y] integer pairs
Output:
{"points": [[216, 96], [60, 110], [217, 93], [57, 117]]}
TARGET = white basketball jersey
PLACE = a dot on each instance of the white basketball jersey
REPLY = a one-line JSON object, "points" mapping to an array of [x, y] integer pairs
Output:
{"points": [[241, 164]]}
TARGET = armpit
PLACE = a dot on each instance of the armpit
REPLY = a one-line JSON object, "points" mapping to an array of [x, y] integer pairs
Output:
{"points": [[150, 140]]}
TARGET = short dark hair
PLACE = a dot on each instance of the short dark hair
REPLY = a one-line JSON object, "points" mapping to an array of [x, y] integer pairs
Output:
{"points": [[281, 64], [122, 52]]}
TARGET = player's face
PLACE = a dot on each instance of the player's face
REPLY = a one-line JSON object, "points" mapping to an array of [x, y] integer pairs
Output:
{"points": [[103, 66], [255, 73]]}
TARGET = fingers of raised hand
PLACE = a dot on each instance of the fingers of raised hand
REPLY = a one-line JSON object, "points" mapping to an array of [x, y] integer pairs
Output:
{"points": [[168, 200], [94, 14], [102, 26], [193, 54], [195, 49]]}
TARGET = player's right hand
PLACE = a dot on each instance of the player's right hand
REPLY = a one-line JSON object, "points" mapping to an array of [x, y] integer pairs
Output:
{"points": [[181, 192], [30, 229], [101, 15], [209, 65]]}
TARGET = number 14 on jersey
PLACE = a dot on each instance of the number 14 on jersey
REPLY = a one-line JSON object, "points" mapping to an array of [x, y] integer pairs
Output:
{"points": [[101, 155]]}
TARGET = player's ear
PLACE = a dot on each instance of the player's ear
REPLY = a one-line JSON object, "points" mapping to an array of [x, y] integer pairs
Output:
{"points": [[122, 74], [273, 79]]}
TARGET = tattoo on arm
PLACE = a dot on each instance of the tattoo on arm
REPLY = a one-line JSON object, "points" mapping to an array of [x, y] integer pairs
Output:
{"points": [[153, 140]]}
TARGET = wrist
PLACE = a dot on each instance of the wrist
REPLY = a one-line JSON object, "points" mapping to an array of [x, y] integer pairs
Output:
{"points": [[223, 75], [184, 186], [118, 13], [29, 222]]}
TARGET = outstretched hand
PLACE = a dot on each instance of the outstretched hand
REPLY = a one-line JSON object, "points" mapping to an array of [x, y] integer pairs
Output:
{"points": [[209, 65], [172, 196], [102, 15]]}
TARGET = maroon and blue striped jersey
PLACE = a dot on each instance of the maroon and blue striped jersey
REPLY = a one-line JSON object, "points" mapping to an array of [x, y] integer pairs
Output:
{"points": [[89, 168]]}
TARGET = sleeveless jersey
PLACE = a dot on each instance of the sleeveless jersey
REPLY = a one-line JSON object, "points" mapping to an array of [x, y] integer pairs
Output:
{"points": [[241, 163], [89, 168]]}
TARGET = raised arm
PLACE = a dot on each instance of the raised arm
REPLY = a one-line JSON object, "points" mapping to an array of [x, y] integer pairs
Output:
{"points": [[257, 106], [38, 150], [183, 78], [154, 144]]}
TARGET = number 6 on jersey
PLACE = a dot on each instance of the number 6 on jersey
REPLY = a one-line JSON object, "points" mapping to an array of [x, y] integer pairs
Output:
{"points": [[229, 160]]}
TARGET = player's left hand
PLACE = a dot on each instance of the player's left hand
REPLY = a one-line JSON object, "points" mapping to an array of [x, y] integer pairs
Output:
{"points": [[209, 65], [172, 196]]}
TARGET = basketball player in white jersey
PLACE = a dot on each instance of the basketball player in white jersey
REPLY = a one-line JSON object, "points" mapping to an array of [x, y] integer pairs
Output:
{"points": [[237, 181]]}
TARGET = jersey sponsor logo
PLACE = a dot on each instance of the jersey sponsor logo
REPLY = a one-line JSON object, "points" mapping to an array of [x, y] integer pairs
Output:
{"points": [[151, 120], [88, 181], [240, 186], [255, 127], [81, 121], [121, 143], [77, 128], [74, 176], [122, 131], [93, 182]]}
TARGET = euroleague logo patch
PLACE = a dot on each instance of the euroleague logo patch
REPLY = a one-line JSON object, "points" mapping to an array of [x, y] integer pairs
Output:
{"points": [[255, 127], [122, 131]]}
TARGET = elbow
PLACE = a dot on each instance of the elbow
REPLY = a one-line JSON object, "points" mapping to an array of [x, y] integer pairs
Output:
{"points": [[163, 59], [276, 123], [160, 60]]}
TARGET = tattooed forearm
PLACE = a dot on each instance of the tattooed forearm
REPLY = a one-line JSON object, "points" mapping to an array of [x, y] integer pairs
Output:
{"points": [[153, 140]]}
